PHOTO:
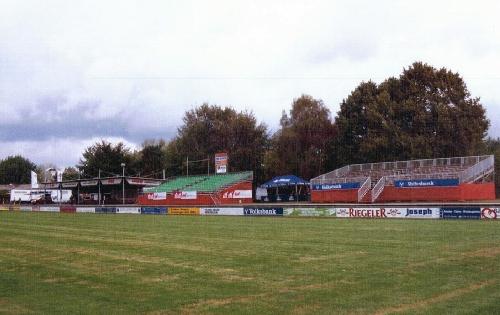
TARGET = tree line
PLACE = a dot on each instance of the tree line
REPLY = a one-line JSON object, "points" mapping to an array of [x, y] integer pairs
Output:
{"points": [[423, 113]]}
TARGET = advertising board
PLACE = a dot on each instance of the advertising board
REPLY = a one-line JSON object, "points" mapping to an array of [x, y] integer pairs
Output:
{"points": [[309, 212], [67, 209], [85, 209], [221, 160], [221, 211], [25, 208], [89, 183], [422, 213], [426, 183], [490, 213], [4, 208], [185, 195], [460, 213], [49, 208], [371, 212], [153, 210], [263, 211], [128, 210], [183, 211], [336, 186], [111, 181], [105, 209], [236, 194]]}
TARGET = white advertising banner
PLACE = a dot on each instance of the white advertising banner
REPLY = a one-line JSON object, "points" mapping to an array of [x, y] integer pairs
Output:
{"points": [[186, 195], [368, 212], [128, 210], [25, 208], [421, 213], [237, 194], [221, 211], [158, 196], [49, 209], [85, 209], [89, 183], [490, 213]]}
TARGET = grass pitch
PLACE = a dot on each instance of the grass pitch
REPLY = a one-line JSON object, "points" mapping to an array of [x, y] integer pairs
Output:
{"points": [[75, 263]]}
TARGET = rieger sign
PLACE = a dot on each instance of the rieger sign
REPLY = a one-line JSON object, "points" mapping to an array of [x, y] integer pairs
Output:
{"points": [[490, 213], [371, 212]]}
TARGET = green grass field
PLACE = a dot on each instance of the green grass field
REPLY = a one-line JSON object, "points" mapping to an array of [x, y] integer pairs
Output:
{"points": [[75, 263]]}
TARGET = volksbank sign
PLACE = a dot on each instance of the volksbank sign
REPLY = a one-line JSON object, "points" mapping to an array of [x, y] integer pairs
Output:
{"points": [[336, 186], [263, 211], [425, 183]]}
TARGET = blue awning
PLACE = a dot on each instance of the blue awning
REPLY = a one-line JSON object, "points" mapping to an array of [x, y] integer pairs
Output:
{"points": [[287, 180]]}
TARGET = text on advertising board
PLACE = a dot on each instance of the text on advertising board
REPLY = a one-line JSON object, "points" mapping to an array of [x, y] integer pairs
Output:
{"points": [[183, 211], [460, 213], [336, 186], [425, 183], [263, 211]]}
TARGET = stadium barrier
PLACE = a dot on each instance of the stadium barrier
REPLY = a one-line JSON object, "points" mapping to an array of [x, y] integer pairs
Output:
{"points": [[377, 212]]}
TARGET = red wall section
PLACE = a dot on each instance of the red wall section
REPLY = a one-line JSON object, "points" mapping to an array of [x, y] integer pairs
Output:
{"points": [[462, 192], [202, 198], [341, 195]]}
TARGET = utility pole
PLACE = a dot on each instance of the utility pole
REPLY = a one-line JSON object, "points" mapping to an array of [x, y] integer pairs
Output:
{"points": [[99, 187], [123, 183]]}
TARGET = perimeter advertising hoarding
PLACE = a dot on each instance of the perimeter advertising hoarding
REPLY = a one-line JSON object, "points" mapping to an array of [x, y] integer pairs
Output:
{"points": [[25, 208], [4, 208], [49, 209], [85, 209], [263, 211], [105, 210], [460, 213], [336, 186], [183, 211], [309, 212], [111, 181], [221, 211], [128, 210], [490, 213], [221, 163], [371, 212], [422, 213], [89, 183], [153, 210]]}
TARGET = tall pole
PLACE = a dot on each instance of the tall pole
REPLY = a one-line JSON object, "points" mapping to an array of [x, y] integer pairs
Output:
{"points": [[163, 174], [123, 183], [99, 187], [78, 189], [187, 166], [208, 165]]}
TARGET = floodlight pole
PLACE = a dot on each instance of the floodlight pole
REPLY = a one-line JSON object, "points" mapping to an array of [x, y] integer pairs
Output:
{"points": [[99, 187], [123, 183], [187, 166]]}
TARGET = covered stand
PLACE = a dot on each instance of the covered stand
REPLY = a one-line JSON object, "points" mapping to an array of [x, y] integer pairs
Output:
{"points": [[292, 188]]}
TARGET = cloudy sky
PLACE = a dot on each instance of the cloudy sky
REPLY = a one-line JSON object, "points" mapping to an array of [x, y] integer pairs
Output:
{"points": [[74, 72]]}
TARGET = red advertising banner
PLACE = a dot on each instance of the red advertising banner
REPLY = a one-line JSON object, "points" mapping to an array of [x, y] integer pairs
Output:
{"points": [[221, 163]]}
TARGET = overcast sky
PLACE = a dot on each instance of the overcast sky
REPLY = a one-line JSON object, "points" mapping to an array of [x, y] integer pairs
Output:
{"points": [[74, 72]]}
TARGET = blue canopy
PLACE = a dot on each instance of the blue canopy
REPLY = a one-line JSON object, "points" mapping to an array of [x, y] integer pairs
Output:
{"points": [[287, 180]]}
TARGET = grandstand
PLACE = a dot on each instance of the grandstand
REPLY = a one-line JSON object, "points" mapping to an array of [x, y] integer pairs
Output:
{"points": [[457, 178], [201, 190]]}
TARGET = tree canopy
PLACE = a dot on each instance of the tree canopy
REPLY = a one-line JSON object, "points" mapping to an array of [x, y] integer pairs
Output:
{"points": [[16, 170], [425, 113], [106, 157], [303, 143]]}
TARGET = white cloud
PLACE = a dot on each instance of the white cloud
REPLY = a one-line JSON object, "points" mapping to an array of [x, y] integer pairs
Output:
{"points": [[143, 63]]}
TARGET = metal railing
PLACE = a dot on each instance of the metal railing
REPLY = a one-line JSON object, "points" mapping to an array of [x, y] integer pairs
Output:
{"points": [[338, 180], [378, 188], [365, 188], [478, 170]]}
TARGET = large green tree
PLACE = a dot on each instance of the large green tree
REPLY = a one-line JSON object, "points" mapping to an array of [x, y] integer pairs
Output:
{"points": [[106, 157], [303, 143], [152, 157], [425, 113], [492, 146], [209, 129], [16, 170]]}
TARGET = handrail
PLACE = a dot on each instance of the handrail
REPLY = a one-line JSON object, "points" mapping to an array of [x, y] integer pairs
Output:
{"points": [[378, 188], [480, 168], [338, 180], [364, 188]]}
